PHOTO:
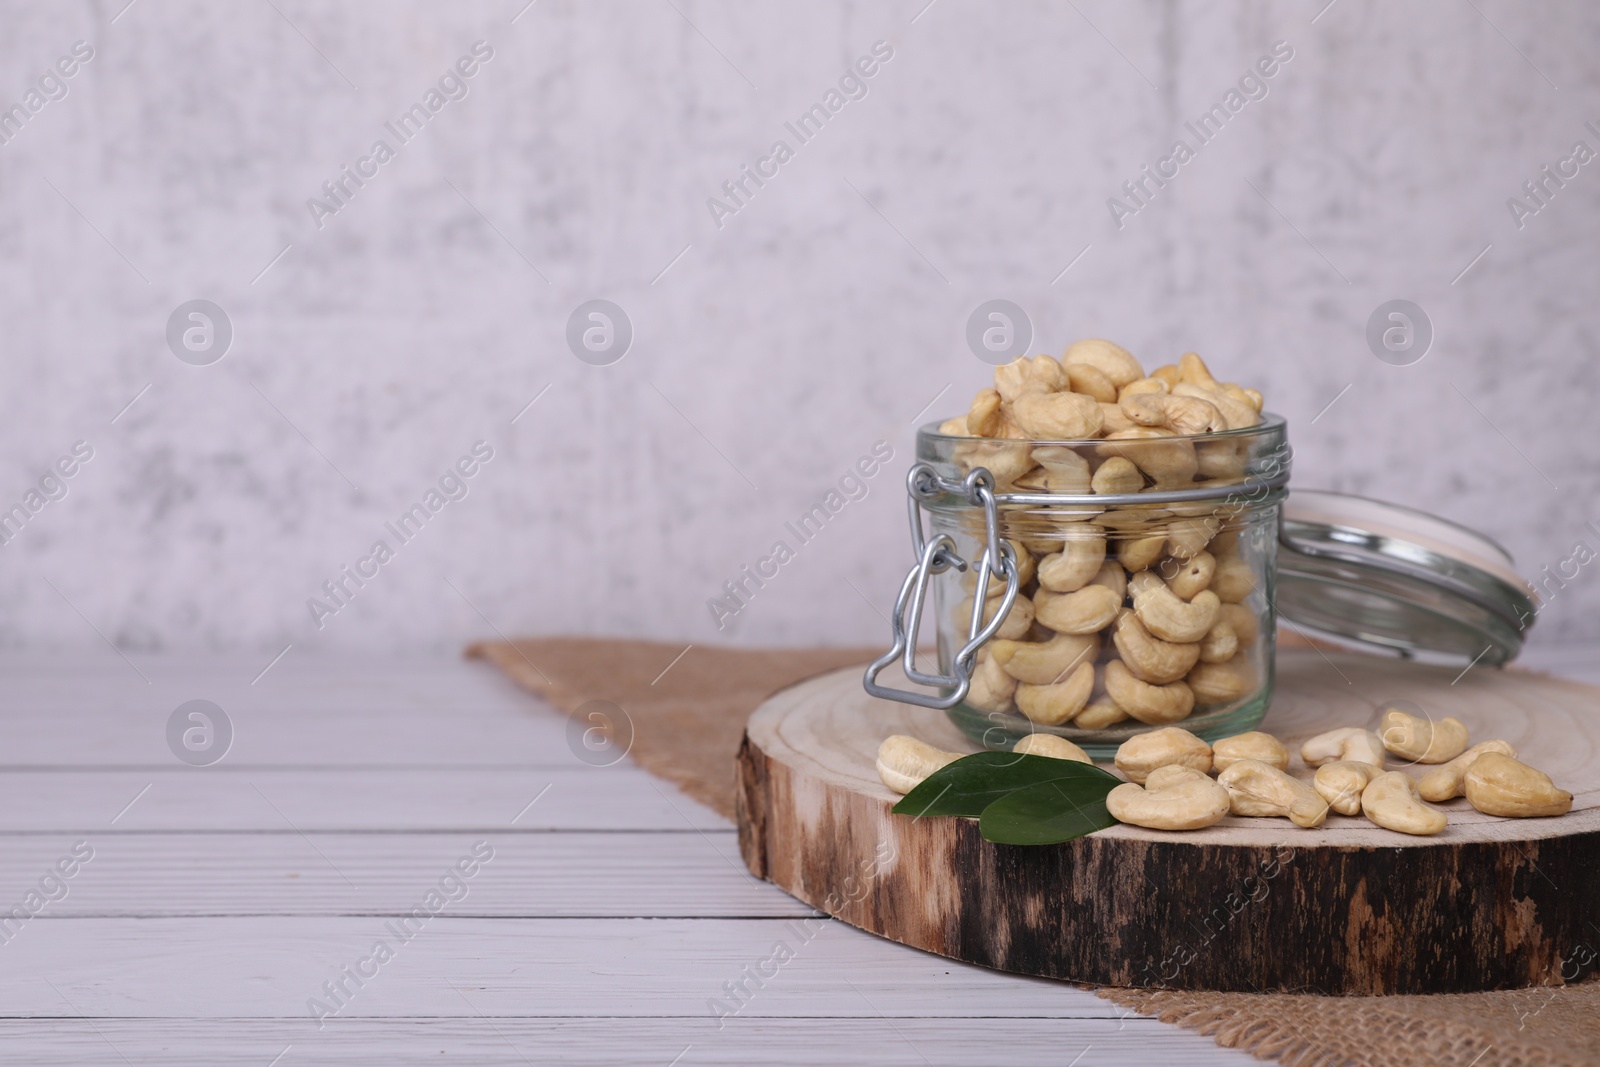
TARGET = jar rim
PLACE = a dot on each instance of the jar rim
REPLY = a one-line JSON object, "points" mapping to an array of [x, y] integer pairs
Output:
{"points": [[1270, 422]]}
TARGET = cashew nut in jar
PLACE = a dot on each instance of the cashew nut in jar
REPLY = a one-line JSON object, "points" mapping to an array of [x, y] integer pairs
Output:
{"points": [[1153, 704], [1390, 800], [1057, 702], [991, 687], [1149, 658], [1168, 617], [1192, 576], [1422, 740], [1190, 803], [1080, 559], [1497, 784], [1142, 753], [1044, 662], [1086, 611], [903, 762], [1222, 683]]}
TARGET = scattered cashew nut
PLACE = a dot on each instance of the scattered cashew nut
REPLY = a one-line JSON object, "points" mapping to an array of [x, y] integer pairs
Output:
{"points": [[1257, 788], [903, 762], [1497, 784], [1391, 801], [1187, 804], [1422, 740], [1345, 743], [1446, 781], [1139, 755], [1254, 745], [1052, 746], [1341, 782]]}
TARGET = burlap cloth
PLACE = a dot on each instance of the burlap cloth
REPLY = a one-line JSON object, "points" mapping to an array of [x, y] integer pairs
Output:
{"points": [[687, 723]]}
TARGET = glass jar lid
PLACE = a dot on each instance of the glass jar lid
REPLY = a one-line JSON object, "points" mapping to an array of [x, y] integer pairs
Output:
{"points": [[1385, 575]]}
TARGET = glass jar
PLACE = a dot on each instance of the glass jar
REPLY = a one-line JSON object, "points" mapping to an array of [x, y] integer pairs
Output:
{"points": [[1105, 613]]}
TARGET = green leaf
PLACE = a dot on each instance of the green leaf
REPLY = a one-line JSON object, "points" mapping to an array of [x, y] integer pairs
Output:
{"points": [[1048, 813], [970, 784]]}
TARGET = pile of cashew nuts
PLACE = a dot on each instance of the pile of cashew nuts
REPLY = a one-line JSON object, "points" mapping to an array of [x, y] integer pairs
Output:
{"points": [[1169, 784], [1152, 626]]}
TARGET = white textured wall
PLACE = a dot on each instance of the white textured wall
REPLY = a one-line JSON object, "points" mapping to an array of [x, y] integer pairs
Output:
{"points": [[823, 316]]}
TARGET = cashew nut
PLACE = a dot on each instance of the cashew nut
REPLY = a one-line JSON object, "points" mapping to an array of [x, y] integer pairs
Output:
{"points": [[1143, 385], [1143, 753], [1193, 576], [1170, 775], [1078, 561], [1340, 783], [1222, 683], [991, 687], [1220, 642], [1498, 784], [1233, 580], [1169, 618], [1244, 623], [1114, 419], [1017, 622], [1117, 475], [1091, 380], [1170, 373], [1044, 662], [1166, 458], [1254, 745], [1004, 459], [1138, 553], [1099, 715], [1187, 538], [984, 418], [1057, 702], [1391, 801], [1256, 788], [1345, 743], [1057, 416], [1065, 471], [1421, 740], [1186, 804], [1113, 577], [956, 427], [1153, 704], [1220, 460], [1114, 361], [1446, 781], [1239, 415], [1052, 746], [1024, 376], [1150, 658], [1193, 370], [1082, 612], [903, 762]]}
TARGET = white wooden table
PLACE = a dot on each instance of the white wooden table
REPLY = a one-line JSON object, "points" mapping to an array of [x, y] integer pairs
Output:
{"points": [[219, 900]]}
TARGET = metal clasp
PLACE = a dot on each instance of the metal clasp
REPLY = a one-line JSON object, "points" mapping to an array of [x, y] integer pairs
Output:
{"points": [[935, 556]]}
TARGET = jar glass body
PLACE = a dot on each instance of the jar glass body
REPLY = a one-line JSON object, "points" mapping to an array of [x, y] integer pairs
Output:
{"points": [[1135, 609]]}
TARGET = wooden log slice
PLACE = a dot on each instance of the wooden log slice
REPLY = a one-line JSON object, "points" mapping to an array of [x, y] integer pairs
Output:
{"points": [[1246, 905]]}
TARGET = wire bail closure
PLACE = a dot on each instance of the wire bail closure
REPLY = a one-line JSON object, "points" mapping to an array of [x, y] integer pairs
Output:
{"points": [[935, 556]]}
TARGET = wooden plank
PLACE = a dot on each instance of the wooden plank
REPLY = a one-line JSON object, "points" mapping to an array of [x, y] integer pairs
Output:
{"points": [[268, 967], [624, 874], [438, 713], [513, 1042], [240, 799]]}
